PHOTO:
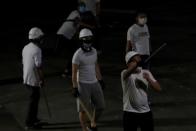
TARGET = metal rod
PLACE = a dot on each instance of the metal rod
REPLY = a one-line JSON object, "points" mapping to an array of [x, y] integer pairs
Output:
{"points": [[155, 52]]}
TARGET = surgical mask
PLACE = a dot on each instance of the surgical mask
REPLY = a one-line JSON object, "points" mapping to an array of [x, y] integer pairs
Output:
{"points": [[82, 9], [142, 21]]}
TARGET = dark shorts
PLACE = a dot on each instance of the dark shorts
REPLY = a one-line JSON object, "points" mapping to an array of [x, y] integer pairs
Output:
{"points": [[132, 121]]}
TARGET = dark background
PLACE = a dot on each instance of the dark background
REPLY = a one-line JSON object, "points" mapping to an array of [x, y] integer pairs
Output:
{"points": [[169, 21]]}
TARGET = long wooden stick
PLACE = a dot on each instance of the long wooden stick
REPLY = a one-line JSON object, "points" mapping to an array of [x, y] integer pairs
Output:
{"points": [[91, 117], [46, 102]]}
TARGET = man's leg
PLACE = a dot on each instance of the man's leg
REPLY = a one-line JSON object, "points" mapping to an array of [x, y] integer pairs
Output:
{"points": [[70, 50], [84, 90], [97, 101], [33, 105], [129, 121], [147, 123], [83, 120]]}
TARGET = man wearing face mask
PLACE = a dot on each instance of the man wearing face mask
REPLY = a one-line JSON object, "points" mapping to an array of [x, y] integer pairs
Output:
{"points": [[138, 39], [67, 35], [87, 80], [92, 16]]}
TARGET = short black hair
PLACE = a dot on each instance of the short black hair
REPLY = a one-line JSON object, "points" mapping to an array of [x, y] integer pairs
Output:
{"points": [[141, 14]]}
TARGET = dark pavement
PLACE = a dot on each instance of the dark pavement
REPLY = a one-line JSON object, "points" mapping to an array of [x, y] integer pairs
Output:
{"points": [[173, 108]]}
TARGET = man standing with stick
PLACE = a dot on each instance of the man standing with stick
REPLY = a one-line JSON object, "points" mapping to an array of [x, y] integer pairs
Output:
{"points": [[135, 83], [87, 81], [32, 75]]}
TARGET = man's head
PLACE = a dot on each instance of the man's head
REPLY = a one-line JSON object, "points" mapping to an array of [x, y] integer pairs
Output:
{"points": [[86, 39], [132, 56], [141, 19], [35, 35], [81, 7]]}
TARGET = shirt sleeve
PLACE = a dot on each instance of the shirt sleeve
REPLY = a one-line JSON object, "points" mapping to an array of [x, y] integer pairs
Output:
{"points": [[150, 75], [130, 34], [76, 58], [38, 58], [147, 29]]}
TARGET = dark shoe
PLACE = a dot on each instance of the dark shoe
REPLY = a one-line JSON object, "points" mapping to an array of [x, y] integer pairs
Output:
{"points": [[92, 128], [37, 124], [34, 126]]}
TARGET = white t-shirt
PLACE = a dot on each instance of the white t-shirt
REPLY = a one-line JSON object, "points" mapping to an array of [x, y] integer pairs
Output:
{"points": [[68, 28], [135, 97], [139, 37], [87, 63], [31, 58], [91, 5]]}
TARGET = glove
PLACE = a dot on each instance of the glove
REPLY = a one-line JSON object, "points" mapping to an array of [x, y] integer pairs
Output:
{"points": [[41, 83], [102, 83], [75, 92]]}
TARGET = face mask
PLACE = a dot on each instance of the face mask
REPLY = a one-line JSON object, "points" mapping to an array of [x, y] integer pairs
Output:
{"points": [[82, 9], [87, 47], [142, 21]]}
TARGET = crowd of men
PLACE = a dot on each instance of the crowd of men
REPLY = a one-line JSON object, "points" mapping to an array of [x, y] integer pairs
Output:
{"points": [[83, 67]]}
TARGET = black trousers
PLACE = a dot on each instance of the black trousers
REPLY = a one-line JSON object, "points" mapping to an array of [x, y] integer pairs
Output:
{"points": [[32, 112], [132, 121], [67, 49]]}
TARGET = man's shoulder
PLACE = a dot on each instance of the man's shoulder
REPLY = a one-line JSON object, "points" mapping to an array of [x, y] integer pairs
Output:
{"points": [[32, 47], [132, 27], [123, 72], [78, 52], [73, 13], [94, 50], [28, 46]]}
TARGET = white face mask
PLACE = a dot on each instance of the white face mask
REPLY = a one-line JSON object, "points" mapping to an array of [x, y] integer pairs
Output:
{"points": [[82, 9], [142, 21]]}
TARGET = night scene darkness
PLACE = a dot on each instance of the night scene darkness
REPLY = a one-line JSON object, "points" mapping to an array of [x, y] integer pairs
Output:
{"points": [[171, 25]]}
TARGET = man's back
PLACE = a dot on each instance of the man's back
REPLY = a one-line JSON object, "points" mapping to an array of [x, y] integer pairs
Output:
{"points": [[69, 27], [31, 58]]}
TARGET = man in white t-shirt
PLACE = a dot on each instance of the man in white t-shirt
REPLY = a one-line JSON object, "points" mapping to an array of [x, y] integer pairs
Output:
{"points": [[87, 79], [92, 17], [138, 39], [67, 42], [32, 75], [135, 83]]}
